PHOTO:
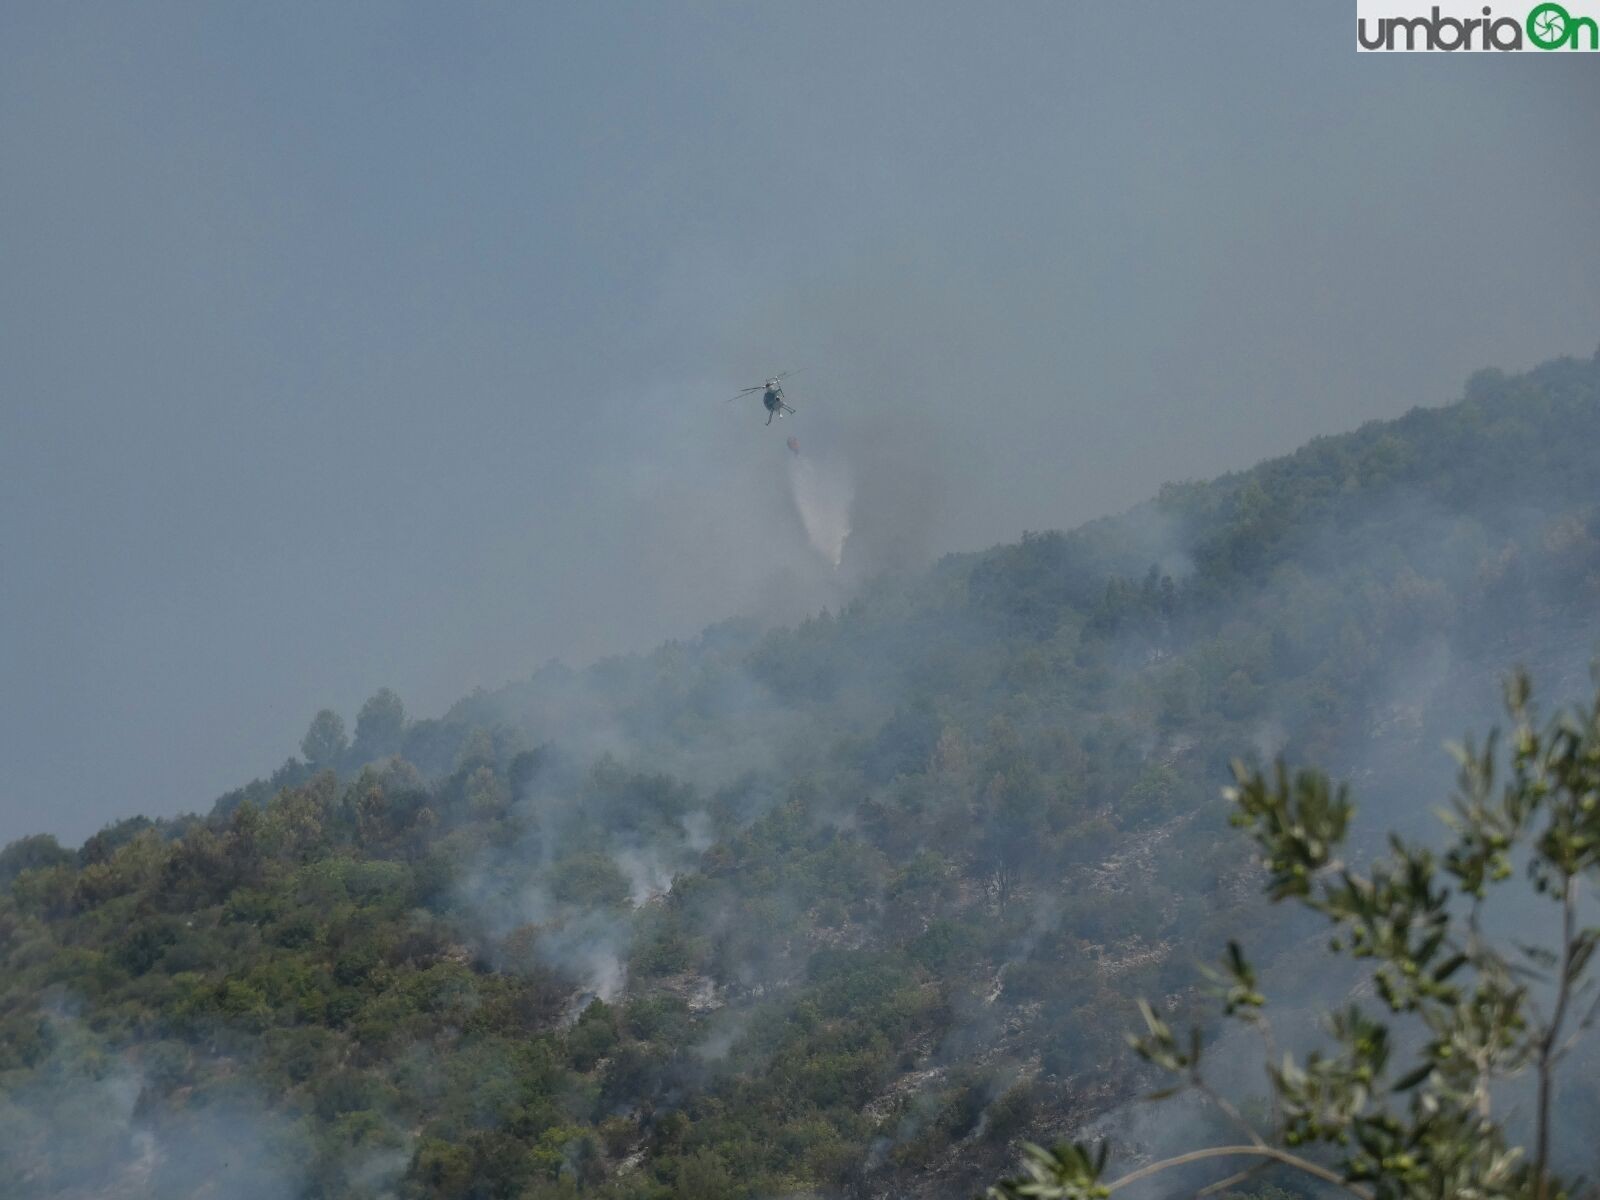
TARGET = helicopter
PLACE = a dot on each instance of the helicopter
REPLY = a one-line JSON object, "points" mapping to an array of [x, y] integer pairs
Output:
{"points": [[771, 394]]}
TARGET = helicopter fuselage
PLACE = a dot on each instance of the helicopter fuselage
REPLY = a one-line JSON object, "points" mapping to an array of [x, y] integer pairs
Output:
{"points": [[771, 397]]}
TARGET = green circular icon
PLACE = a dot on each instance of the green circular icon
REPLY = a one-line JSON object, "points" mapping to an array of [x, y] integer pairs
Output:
{"points": [[1548, 25]]}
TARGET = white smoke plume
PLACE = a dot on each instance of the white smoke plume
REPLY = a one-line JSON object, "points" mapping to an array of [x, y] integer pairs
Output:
{"points": [[592, 949], [822, 493], [648, 871]]}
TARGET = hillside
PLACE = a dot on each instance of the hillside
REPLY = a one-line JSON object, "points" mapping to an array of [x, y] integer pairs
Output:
{"points": [[839, 909]]}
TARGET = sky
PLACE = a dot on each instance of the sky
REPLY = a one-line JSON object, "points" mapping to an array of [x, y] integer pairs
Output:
{"points": [[346, 345]]}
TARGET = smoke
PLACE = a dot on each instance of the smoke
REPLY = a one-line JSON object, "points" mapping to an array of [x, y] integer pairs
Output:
{"points": [[822, 494], [592, 950], [648, 872], [700, 739], [92, 1122]]}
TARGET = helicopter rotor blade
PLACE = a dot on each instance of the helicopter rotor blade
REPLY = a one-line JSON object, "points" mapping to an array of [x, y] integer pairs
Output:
{"points": [[760, 387]]}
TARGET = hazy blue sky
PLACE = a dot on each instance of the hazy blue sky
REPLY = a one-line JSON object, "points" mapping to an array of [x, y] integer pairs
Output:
{"points": [[351, 345]]}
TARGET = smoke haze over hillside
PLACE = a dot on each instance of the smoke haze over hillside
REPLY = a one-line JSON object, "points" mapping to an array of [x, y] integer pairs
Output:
{"points": [[850, 905]]}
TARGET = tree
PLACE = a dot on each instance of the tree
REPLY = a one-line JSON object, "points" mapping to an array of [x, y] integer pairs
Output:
{"points": [[380, 725], [1405, 1106], [325, 742], [37, 852]]}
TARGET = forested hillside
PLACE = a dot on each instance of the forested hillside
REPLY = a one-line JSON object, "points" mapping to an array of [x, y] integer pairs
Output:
{"points": [[843, 909]]}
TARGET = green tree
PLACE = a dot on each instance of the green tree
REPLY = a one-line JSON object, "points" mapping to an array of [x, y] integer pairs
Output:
{"points": [[325, 742], [37, 852], [1405, 1106], [380, 726], [589, 880]]}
